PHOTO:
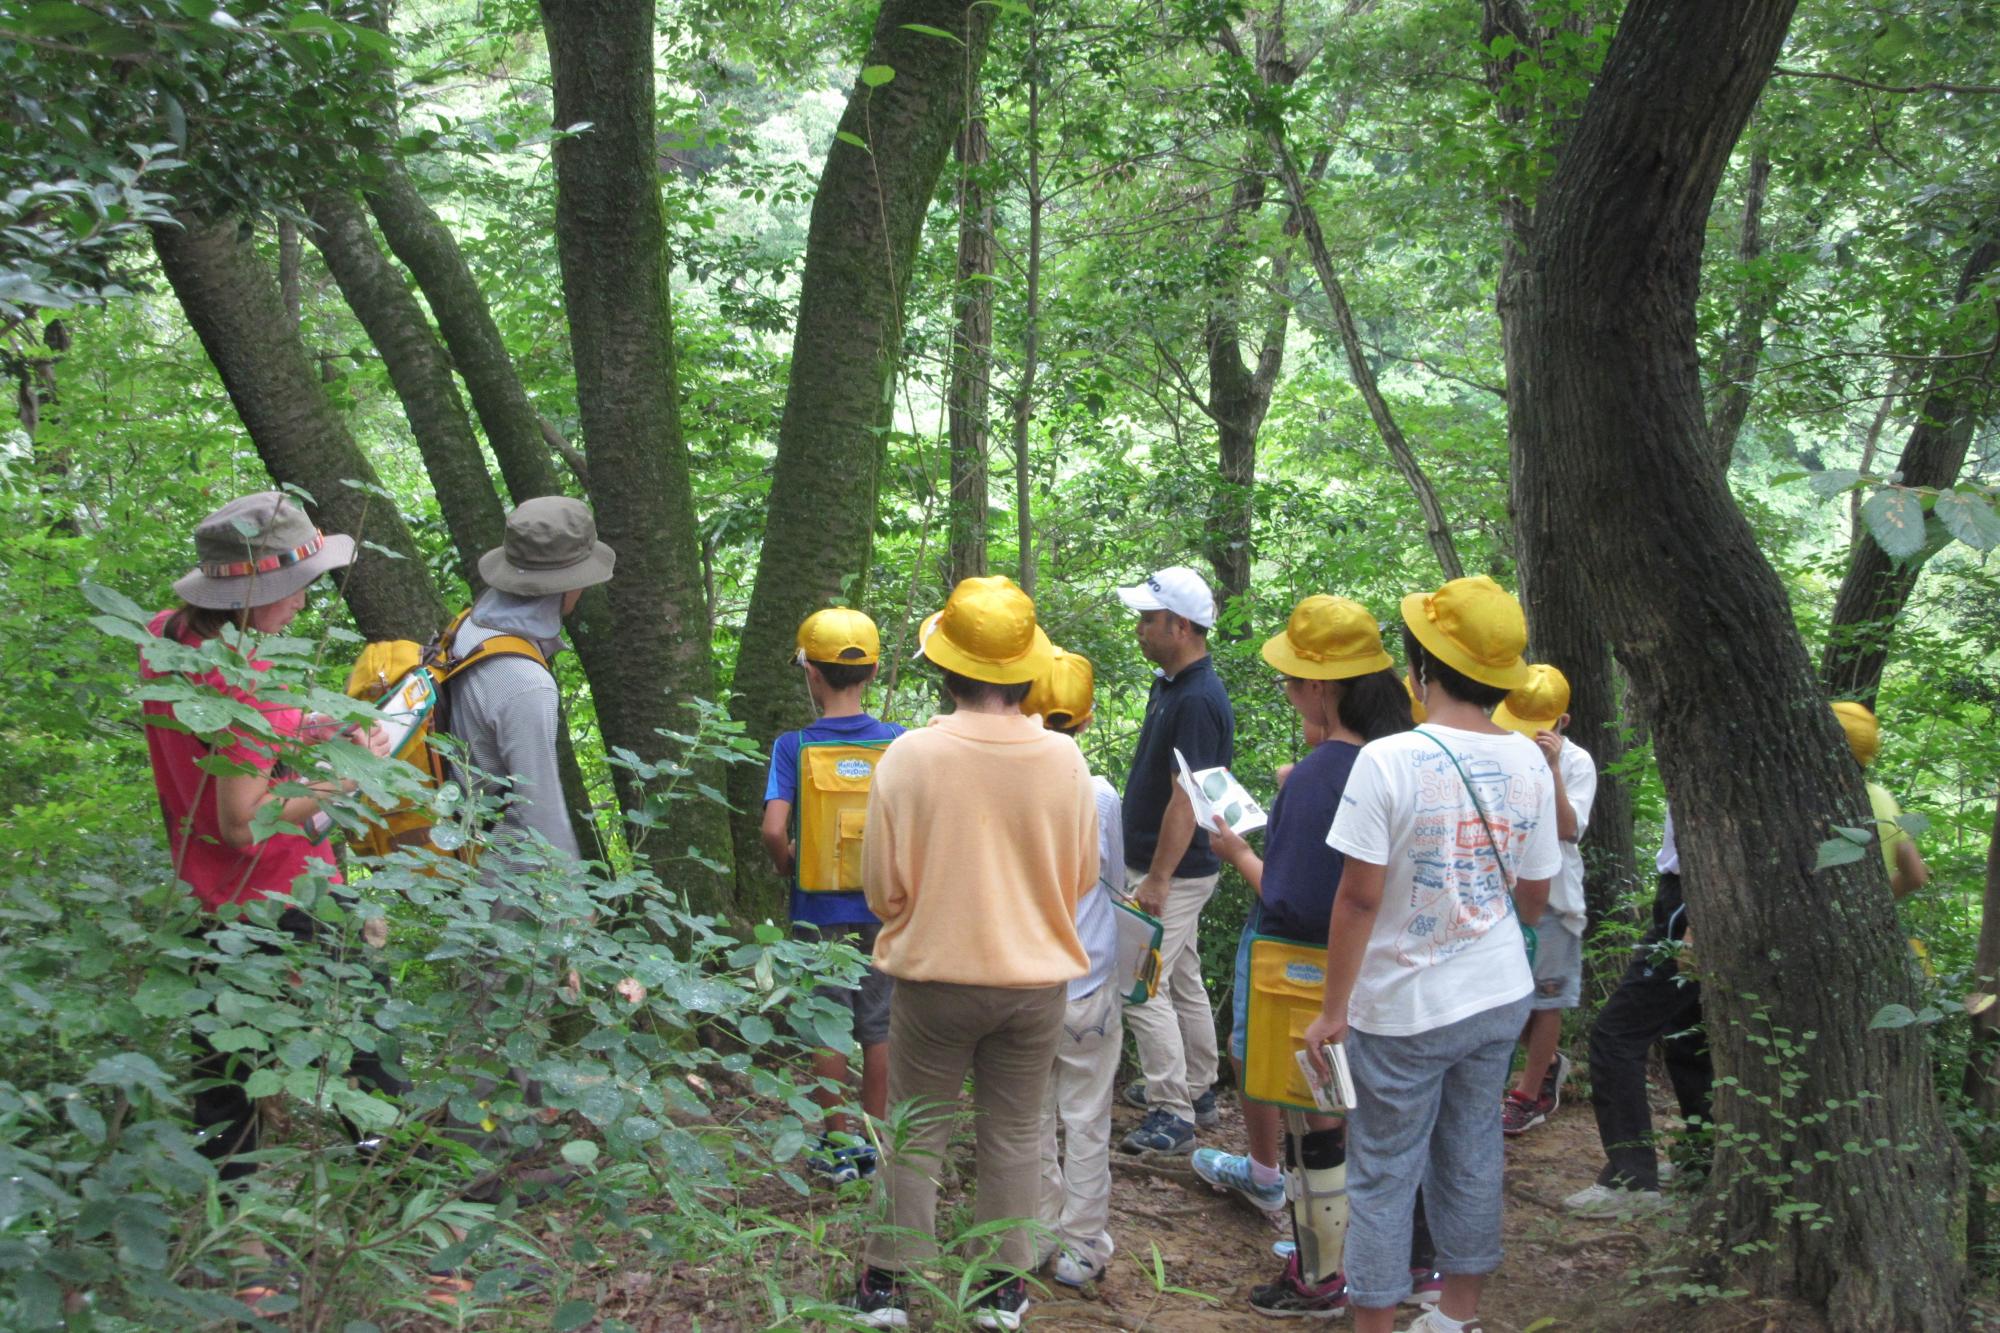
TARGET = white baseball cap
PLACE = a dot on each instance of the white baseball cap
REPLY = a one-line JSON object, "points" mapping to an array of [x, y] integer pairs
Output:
{"points": [[1177, 589]]}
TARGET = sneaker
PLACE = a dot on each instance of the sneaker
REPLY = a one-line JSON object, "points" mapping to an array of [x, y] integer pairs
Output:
{"points": [[1135, 1095], [879, 1300], [838, 1165], [1207, 1115], [1520, 1114], [1290, 1298], [1231, 1171], [1425, 1324], [1426, 1287], [1605, 1201], [1076, 1268], [1160, 1131], [1553, 1081], [1003, 1306]]}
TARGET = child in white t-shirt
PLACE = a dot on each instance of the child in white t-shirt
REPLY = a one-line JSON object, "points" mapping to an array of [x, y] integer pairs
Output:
{"points": [[1539, 710], [1449, 834]]}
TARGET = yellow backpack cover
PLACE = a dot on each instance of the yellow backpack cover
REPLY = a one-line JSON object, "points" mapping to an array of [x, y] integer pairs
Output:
{"points": [[834, 778], [1287, 984], [409, 679]]}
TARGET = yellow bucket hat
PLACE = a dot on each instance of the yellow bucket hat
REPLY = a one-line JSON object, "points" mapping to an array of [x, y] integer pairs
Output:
{"points": [[1864, 733], [987, 632], [1536, 706], [1327, 638], [1067, 687], [1475, 627], [840, 635]]}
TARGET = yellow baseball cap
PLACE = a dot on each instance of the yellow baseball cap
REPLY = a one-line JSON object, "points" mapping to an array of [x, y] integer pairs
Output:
{"points": [[1327, 638], [840, 635], [1864, 733], [1536, 706], [1475, 627], [987, 631], [1066, 688]]}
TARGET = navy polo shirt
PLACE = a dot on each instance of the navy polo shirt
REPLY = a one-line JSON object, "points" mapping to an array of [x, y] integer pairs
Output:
{"points": [[1190, 713], [1300, 871]]}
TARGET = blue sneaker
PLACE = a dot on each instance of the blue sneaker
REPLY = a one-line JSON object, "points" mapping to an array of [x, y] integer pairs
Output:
{"points": [[1160, 1131], [1231, 1171], [1135, 1095], [1207, 1115], [839, 1165]]}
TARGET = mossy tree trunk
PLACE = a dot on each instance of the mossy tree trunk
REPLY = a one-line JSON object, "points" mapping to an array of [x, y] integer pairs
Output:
{"points": [[612, 245], [860, 245], [1615, 472], [231, 299]]}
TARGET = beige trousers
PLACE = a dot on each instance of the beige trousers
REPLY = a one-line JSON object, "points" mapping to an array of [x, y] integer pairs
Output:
{"points": [[1175, 1029], [1006, 1037]]}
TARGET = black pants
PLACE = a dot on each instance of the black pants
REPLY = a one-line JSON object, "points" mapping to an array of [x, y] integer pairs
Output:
{"points": [[225, 1113], [1653, 1002]]}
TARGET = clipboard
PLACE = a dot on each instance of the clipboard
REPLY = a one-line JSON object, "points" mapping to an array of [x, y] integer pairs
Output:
{"points": [[1136, 970]]}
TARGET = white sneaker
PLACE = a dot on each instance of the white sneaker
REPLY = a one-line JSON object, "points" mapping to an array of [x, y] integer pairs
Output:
{"points": [[1427, 1323], [1076, 1269], [1604, 1201]]}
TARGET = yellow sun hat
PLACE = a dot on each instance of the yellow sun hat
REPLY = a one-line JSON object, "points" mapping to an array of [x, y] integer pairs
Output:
{"points": [[1327, 638], [839, 635], [1536, 706], [1475, 627], [1066, 689], [987, 632], [1864, 733]]}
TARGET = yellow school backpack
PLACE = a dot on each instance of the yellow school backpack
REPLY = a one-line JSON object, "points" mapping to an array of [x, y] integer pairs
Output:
{"points": [[403, 677], [1287, 984], [834, 777]]}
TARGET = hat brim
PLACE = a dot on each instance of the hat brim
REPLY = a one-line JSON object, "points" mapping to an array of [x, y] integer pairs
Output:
{"points": [[940, 651], [1140, 598], [236, 594], [593, 569], [1435, 642], [1280, 653], [1503, 716]]}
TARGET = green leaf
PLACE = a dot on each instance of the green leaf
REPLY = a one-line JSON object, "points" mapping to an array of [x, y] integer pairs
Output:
{"points": [[572, 1315], [263, 1083], [1970, 518], [1895, 518], [874, 76], [365, 1111], [1836, 852], [853, 140], [139, 1242], [928, 31], [756, 1029], [580, 1152], [1892, 1016], [1914, 822], [1833, 481], [1860, 837]]}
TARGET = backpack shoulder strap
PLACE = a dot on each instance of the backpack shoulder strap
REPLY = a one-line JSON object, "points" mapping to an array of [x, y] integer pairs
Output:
{"points": [[500, 645]]}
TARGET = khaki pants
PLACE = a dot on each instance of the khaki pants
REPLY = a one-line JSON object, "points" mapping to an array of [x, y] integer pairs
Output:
{"points": [[1007, 1037], [1076, 1187], [1175, 1029]]}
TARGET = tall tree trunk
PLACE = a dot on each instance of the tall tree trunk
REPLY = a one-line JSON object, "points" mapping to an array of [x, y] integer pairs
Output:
{"points": [[1562, 630], [419, 238], [1981, 1082], [971, 353], [860, 246], [1031, 324], [420, 373], [232, 300], [1743, 351], [611, 241], [1615, 473], [1959, 396]]}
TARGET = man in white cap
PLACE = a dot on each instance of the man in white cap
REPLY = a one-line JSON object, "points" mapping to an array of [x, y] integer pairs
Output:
{"points": [[1170, 863]]}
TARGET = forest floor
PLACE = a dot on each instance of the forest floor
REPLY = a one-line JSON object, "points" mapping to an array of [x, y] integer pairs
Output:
{"points": [[1560, 1275]]}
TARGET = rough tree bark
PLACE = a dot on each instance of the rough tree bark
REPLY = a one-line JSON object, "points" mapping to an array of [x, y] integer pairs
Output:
{"points": [[1614, 473], [860, 245], [419, 372], [1743, 350], [611, 242], [1562, 631], [971, 353], [232, 300], [1961, 393], [1031, 321], [1981, 1082]]}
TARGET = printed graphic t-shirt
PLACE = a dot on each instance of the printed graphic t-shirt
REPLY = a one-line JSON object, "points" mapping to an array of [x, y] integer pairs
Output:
{"points": [[782, 784], [1446, 943]]}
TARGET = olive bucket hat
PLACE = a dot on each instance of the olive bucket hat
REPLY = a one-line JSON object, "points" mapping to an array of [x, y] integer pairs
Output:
{"points": [[551, 546], [258, 550]]}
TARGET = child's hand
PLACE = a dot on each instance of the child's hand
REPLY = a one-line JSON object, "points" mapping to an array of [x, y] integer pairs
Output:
{"points": [[1551, 743], [1324, 1031], [1224, 842]]}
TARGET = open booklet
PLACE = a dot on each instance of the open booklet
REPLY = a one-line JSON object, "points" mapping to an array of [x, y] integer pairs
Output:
{"points": [[1215, 792]]}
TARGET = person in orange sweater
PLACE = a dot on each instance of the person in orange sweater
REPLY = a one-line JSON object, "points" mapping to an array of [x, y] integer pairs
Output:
{"points": [[981, 837]]}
